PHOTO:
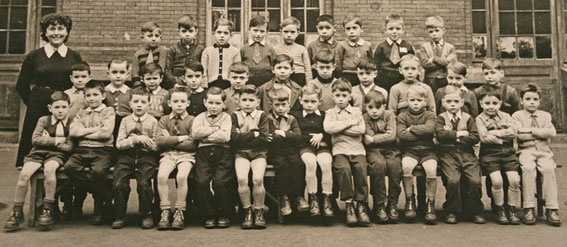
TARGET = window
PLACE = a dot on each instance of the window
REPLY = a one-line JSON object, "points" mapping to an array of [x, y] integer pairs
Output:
{"points": [[230, 10], [271, 9], [13, 23], [525, 29], [479, 30], [307, 12]]}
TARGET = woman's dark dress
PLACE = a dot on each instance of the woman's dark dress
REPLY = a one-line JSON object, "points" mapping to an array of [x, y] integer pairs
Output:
{"points": [[48, 75]]}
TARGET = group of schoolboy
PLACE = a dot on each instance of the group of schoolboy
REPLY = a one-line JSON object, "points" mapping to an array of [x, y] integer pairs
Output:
{"points": [[222, 112]]}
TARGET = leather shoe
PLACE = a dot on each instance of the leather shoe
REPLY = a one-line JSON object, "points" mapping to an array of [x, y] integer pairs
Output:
{"points": [[451, 219], [248, 221], [210, 223], [501, 217], [148, 222], [223, 222], [380, 213], [285, 206], [362, 214], [478, 219], [351, 219], [529, 216], [513, 216], [118, 223], [393, 215], [553, 218]]}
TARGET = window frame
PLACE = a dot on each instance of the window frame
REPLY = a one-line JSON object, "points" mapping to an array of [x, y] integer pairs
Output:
{"points": [[9, 30]]}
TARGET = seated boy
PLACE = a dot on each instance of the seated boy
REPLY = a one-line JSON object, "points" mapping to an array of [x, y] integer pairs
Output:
{"points": [[315, 150], [366, 72], [282, 66], [186, 50], [93, 127], [51, 147], [152, 52], [457, 134], [383, 157], [409, 68], [346, 125], [497, 131], [176, 143], [214, 160], [248, 140], [238, 77], [535, 130], [137, 156], [193, 78], [152, 76], [117, 93], [283, 152], [415, 128]]}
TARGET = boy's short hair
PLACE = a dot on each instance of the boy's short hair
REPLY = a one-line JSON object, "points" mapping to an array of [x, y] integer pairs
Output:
{"points": [[150, 68], [492, 63], [258, 20], [450, 89], [418, 90], [141, 93], [179, 90], [352, 17], [342, 85], [458, 68], [150, 26], [325, 18], [324, 56], [239, 68], [81, 66], [489, 91], [216, 91], [366, 64], [375, 97], [409, 58], [291, 21], [249, 89], [434, 22], [119, 61], [95, 85], [278, 95], [223, 22], [280, 58], [394, 18], [187, 22], [311, 88], [54, 19], [530, 88], [194, 66], [57, 96]]}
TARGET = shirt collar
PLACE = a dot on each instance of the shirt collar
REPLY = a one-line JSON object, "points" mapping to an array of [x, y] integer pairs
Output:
{"points": [[286, 82], [276, 116], [390, 41], [485, 116], [367, 89], [459, 115], [464, 89], [209, 115], [227, 45], [172, 115], [123, 89], [74, 90], [200, 89], [317, 112], [360, 42], [54, 120], [156, 91], [140, 119], [230, 91], [329, 41], [253, 114], [347, 109], [50, 50], [251, 42], [98, 109]]}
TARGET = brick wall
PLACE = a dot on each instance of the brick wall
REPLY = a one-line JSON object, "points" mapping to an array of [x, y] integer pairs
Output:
{"points": [[373, 13]]}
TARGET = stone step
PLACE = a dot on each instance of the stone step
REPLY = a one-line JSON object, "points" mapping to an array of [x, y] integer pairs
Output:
{"points": [[8, 136]]}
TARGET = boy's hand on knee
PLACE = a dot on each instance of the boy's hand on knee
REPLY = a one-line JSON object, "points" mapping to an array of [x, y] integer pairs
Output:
{"points": [[316, 139]]}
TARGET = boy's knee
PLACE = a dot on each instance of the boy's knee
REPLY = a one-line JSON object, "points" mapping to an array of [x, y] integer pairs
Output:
{"points": [[181, 177], [243, 181], [24, 176], [258, 181]]}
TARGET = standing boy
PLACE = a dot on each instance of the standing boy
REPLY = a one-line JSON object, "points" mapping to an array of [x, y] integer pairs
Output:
{"points": [[352, 50], [398, 100], [346, 125], [326, 29], [257, 54], [80, 75], [118, 95], [186, 50], [366, 72], [388, 54], [193, 78], [282, 66], [217, 58], [290, 28], [152, 52], [325, 66]]}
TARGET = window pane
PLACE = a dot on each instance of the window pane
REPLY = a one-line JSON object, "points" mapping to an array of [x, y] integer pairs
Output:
{"points": [[17, 42], [20, 2], [478, 4], [274, 3], [312, 20], [218, 3], [507, 25], [234, 3], [3, 42], [298, 13], [543, 47], [4, 18], [525, 25], [543, 23], [4, 2], [274, 24], [47, 11], [507, 47], [312, 3], [542, 4], [297, 3], [49, 3], [479, 45], [234, 16], [479, 21], [526, 47], [18, 18], [524, 4], [506, 4], [216, 14]]}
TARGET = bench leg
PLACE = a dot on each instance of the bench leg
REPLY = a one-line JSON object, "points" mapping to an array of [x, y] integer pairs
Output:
{"points": [[539, 195], [33, 200]]}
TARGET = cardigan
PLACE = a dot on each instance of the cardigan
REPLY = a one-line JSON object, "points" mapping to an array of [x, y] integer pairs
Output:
{"points": [[210, 61]]}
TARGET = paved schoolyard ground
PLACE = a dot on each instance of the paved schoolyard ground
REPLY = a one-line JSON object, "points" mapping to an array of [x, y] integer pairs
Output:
{"points": [[80, 233]]}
